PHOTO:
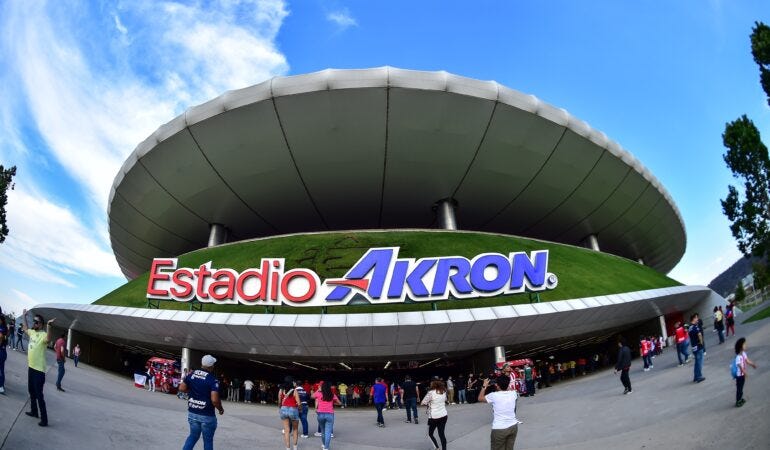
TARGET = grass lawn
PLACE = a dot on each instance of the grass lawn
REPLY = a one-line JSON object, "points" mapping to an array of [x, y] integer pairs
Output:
{"points": [[764, 314], [581, 272]]}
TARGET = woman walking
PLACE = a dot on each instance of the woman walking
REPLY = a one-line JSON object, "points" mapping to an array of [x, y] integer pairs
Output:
{"points": [[741, 361], [288, 399], [325, 401], [436, 399]]}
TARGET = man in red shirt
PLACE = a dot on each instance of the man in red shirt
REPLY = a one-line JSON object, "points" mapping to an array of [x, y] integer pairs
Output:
{"points": [[681, 344], [61, 356]]}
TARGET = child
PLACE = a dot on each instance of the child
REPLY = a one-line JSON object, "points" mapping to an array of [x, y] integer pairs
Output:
{"points": [[741, 359]]}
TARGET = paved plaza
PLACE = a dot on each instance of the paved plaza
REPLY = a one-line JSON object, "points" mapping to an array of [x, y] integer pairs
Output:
{"points": [[101, 410]]}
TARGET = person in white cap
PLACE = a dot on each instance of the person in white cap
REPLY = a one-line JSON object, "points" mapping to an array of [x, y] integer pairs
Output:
{"points": [[203, 389]]}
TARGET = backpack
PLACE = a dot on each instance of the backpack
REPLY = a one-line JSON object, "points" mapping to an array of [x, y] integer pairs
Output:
{"points": [[734, 368]]}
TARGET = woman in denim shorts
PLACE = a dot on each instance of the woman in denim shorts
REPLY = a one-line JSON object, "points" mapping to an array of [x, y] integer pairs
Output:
{"points": [[288, 399]]}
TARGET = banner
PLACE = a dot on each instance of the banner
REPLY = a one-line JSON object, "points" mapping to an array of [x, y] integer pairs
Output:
{"points": [[379, 276]]}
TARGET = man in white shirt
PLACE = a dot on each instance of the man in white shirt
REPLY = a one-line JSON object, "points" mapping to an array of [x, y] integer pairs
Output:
{"points": [[505, 426], [248, 385]]}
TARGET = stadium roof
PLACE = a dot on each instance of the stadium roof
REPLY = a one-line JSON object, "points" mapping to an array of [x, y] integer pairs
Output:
{"points": [[377, 148]]}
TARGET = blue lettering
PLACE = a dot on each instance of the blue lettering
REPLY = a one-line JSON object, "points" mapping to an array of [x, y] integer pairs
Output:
{"points": [[459, 279], [499, 262], [523, 266]]}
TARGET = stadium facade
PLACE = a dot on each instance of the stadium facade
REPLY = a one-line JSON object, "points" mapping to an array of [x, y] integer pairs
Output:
{"points": [[380, 149]]}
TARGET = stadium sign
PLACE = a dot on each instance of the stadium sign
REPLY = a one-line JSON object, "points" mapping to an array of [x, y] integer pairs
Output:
{"points": [[379, 276]]}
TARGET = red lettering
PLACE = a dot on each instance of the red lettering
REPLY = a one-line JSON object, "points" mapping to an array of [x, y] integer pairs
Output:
{"points": [[223, 279], [290, 275], [250, 273], [177, 279], [274, 282], [202, 273], [156, 275]]}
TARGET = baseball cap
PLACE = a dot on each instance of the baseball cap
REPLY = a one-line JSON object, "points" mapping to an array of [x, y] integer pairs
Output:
{"points": [[208, 361]]}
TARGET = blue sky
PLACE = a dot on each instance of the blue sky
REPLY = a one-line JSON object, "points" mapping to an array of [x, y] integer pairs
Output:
{"points": [[82, 83]]}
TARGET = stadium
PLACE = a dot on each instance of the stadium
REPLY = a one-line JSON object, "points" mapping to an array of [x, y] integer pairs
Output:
{"points": [[358, 217]]}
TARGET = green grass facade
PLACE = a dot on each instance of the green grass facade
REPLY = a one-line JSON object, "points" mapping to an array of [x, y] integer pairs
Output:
{"points": [[581, 272]]}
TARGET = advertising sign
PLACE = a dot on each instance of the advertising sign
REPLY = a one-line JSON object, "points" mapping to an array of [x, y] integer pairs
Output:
{"points": [[379, 277]]}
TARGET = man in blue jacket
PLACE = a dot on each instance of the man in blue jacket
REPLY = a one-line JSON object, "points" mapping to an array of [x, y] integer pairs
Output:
{"points": [[624, 365]]}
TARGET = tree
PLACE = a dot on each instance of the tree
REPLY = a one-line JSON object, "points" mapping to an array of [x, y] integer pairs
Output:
{"points": [[747, 158], [6, 182], [740, 294]]}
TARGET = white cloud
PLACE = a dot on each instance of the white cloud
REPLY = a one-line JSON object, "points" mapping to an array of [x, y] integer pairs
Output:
{"points": [[87, 113], [49, 243], [81, 94], [342, 19], [17, 302]]}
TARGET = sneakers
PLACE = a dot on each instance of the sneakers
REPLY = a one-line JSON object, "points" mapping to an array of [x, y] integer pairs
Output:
{"points": [[2, 390], [628, 391], [407, 421], [625, 391], [415, 421], [332, 435], [381, 425], [317, 434], [304, 436], [740, 403], [31, 414], [700, 379]]}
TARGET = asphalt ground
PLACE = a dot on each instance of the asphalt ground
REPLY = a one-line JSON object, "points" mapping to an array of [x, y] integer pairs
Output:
{"points": [[101, 410]]}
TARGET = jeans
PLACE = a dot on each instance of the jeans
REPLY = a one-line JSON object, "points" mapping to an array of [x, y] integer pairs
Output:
{"points": [[344, 400], [461, 396], [76, 358], [61, 373], [411, 406], [739, 382], [681, 352], [698, 369], [303, 418], [721, 333], [3, 357], [20, 341], [326, 421], [199, 423], [35, 383], [380, 407]]}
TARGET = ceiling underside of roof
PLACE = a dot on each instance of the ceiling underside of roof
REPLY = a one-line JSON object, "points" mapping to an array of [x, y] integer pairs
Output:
{"points": [[369, 149]]}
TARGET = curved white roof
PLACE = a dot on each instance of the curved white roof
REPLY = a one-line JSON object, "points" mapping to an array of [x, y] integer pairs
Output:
{"points": [[376, 148], [372, 336]]}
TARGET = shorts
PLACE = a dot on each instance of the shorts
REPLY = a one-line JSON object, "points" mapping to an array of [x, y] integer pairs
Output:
{"points": [[289, 412]]}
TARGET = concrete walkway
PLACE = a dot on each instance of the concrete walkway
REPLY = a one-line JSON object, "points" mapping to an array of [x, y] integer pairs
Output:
{"points": [[666, 410]]}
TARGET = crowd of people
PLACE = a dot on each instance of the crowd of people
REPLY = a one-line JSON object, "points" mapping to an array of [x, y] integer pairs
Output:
{"points": [[500, 387]]}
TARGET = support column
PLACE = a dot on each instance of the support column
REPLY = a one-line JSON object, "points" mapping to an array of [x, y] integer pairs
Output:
{"points": [[69, 341], [446, 214], [499, 354], [592, 242], [663, 331], [185, 359], [217, 234]]}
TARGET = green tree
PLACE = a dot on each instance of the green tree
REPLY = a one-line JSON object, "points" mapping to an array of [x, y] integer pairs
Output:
{"points": [[6, 182], [747, 158], [740, 294]]}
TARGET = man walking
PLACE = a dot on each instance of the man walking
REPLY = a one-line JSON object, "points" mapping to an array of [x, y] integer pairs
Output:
{"points": [[696, 341], [203, 389], [681, 344], [624, 365], [38, 340], [60, 347], [411, 392], [379, 396]]}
